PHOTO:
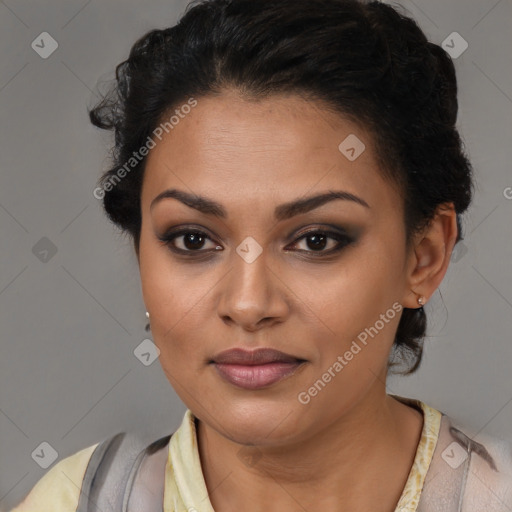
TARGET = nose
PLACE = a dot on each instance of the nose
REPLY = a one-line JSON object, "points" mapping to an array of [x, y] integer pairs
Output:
{"points": [[253, 295]]}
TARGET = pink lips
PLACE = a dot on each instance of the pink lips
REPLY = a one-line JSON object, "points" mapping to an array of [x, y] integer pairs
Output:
{"points": [[255, 369]]}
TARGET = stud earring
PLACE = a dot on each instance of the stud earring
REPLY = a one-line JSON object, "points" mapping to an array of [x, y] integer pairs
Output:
{"points": [[421, 300], [147, 315]]}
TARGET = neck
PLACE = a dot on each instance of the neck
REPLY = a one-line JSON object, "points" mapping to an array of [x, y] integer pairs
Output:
{"points": [[361, 460]]}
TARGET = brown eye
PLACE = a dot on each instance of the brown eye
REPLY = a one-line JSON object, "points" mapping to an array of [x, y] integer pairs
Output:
{"points": [[316, 241], [193, 241], [187, 240]]}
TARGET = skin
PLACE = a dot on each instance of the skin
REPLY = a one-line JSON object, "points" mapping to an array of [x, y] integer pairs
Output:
{"points": [[352, 446]]}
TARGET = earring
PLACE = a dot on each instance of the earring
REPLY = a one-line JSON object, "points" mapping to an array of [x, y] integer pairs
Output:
{"points": [[147, 315], [148, 327], [421, 300]]}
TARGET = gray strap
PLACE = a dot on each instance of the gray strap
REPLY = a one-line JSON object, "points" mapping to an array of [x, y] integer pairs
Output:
{"points": [[131, 479], [107, 473], [85, 503], [145, 491], [117, 465]]}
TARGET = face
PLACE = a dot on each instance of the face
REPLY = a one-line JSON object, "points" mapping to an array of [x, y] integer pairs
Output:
{"points": [[322, 282]]}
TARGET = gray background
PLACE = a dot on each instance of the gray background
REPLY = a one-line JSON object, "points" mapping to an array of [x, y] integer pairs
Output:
{"points": [[69, 326]]}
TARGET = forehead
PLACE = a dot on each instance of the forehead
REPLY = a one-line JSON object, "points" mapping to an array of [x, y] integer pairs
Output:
{"points": [[236, 149]]}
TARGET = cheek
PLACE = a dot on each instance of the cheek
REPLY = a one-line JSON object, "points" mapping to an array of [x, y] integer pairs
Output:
{"points": [[168, 287], [346, 298], [176, 296]]}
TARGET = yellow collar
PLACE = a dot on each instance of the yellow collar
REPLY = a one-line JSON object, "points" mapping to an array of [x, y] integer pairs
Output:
{"points": [[185, 487]]}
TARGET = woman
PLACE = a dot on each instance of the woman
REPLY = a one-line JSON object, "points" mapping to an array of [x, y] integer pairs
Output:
{"points": [[292, 179]]}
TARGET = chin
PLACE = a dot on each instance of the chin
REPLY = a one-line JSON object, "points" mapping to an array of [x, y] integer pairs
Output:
{"points": [[259, 424]]}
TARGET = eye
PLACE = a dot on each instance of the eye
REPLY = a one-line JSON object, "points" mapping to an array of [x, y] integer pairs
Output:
{"points": [[187, 241], [317, 240]]}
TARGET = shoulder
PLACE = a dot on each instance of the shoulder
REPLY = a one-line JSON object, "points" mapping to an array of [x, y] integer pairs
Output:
{"points": [[489, 479], [104, 472], [476, 471], [58, 490]]}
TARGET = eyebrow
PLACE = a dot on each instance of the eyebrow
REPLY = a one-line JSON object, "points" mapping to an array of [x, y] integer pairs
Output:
{"points": [[282, 212]]}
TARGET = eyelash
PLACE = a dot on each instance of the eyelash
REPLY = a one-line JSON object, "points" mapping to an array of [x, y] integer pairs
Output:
{"points": [[343, 241]]}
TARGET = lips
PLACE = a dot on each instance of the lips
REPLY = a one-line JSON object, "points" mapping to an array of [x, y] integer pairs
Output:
{"points": [[255, 369], [254, 357]]}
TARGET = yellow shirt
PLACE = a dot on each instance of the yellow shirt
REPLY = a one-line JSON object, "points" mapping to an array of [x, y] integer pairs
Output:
{"points": [[185, 489]]}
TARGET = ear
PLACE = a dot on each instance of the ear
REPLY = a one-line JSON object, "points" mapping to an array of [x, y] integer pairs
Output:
{"points": [[430, 255]]}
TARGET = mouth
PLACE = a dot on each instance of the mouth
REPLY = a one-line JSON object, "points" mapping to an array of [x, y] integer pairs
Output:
{"points": [[255, 369]]}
